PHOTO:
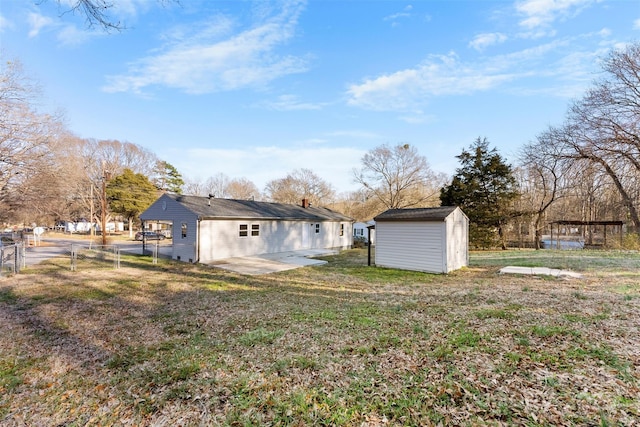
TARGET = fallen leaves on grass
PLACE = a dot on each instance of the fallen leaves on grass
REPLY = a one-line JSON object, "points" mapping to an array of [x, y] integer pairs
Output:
{"points": [[330, 345]]}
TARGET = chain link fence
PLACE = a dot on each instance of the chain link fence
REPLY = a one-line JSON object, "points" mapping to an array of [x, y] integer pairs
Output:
{"points": [[16, 256], [12, 258], [94, 256]]}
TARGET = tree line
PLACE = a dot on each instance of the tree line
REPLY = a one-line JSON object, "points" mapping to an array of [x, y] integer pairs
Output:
{"points": [[586, 168]]}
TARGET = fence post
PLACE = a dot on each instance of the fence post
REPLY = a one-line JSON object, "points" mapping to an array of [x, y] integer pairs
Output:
{"points": [[116, 257], [16, 268], [155, 254], [73, 257], [23, 256]]}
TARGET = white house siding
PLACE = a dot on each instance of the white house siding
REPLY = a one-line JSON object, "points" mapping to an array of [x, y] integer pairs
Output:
{"points": [[184, 248], [217, 238], [360, 229], [167, 209], [220, 239], [411, 245], [331, 238]]}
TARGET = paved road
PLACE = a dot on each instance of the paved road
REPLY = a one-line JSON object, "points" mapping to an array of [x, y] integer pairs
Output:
{"points": [[37, 254]]}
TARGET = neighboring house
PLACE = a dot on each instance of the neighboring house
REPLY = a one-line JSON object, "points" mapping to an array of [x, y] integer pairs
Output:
{"points": [[360, 231], [206, 229], [112, 227], [77, 227], [86, 226], [433, 240]]}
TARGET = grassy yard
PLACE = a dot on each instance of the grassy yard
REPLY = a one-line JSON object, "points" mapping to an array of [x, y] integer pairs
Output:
{"points": [[339, 344]]}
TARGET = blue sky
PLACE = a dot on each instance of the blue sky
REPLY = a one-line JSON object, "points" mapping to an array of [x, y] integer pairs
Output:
{"points": [[258, 89]]}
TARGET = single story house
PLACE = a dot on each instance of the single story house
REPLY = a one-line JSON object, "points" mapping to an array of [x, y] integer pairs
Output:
{"points": [[360, 231], [433, 240], [206, 229]]}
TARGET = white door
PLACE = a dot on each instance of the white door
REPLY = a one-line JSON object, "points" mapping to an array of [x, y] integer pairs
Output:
{"points": [[306, 235]]}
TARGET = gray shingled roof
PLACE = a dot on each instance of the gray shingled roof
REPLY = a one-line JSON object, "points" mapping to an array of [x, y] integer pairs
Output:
{"points": [[416, 214], [214, 208]]}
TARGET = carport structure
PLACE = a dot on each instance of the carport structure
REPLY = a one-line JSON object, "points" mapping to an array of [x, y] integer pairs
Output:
{"points": [[589, 231]]}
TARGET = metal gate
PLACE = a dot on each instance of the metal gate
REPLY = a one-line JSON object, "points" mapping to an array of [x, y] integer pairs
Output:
{"points": [[12, 258], [94, 255]]}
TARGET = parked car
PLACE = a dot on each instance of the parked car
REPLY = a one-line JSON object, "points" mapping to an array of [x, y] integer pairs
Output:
{"points": [[149, 235]]}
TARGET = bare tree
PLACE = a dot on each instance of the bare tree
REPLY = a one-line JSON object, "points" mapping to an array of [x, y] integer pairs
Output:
{"points": [[399, 177], [116, 156], [216, 186], [104, 159], [585, 143], [360, 205], [243, 189], [96, 12], [543, 171], [55, 190], [604, 126], [26, 135], [221, 186], [300, 184], [194, 188]]}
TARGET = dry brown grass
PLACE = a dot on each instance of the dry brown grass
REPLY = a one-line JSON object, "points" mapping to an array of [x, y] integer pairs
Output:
{"points": [[341, 344]]}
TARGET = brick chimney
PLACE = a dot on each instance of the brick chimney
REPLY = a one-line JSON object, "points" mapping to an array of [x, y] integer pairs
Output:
{"points": [[305, 203]]}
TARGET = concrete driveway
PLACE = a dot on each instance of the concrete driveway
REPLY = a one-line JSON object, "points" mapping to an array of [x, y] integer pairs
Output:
{"points": [[272, 263]]}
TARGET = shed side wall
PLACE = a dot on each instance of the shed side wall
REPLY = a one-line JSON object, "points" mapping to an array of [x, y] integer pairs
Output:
{"points": [[457, 240]]}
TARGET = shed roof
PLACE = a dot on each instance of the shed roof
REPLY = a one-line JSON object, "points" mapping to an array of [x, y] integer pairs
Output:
{"points": [[416, 214], [213, 208]]}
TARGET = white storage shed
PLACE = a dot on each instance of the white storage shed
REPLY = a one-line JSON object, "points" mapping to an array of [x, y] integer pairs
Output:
{"points": [[432, 240]]}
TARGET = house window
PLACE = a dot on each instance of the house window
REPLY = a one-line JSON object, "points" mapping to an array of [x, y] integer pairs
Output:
{"points": [[243, 230], [255, 229], [317, 228], [342, 229], [184, 230]]}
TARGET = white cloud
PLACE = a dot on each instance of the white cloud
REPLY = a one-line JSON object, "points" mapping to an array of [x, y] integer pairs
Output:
{"points": [[406, 13], [541, 13], [357, 134], [482, 41], [201, 64], [636, 24], [559, 66], [66, 34], [290, 103], [395, 16], [38, 22], [438, 75], [70, 35], [417, 117], [133, 7], [5, 23]]}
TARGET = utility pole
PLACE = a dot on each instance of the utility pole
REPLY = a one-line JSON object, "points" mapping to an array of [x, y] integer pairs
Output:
{"points": [[103, 206], [92, 230]]}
